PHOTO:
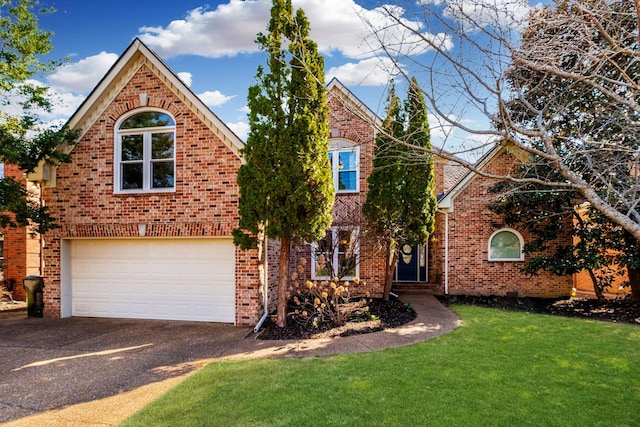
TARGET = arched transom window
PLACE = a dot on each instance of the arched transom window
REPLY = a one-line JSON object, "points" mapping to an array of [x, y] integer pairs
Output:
{"points": [[506, 245], [145, 153]]}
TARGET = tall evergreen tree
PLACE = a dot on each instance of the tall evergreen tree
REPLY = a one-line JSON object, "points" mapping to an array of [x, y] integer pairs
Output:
{"points": [[401, 203], [286, 188]]}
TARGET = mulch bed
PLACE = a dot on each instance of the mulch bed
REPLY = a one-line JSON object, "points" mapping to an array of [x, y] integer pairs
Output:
{"points": [[619, 311], [381, 315], [394, 313]]}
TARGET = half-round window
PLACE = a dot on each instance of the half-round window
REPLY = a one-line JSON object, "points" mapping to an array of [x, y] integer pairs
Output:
{"points": [[506, 245], [145, 153]]}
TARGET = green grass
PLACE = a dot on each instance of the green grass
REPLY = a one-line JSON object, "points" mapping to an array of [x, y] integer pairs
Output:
{"points": [[499, 369]]}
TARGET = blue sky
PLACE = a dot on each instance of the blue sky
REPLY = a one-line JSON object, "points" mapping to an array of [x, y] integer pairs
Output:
{"points": [[211, 46]]}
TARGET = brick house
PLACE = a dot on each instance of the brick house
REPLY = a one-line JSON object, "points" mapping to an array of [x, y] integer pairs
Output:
{"points": [[148, 203], [467, 254], [147, 206]]}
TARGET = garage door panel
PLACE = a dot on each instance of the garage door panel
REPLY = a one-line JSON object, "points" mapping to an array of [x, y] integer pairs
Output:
{"points": [[182, 279]]}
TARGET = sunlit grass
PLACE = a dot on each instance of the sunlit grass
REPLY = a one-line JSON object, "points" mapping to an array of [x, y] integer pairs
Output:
{"points": [[499, 369]]}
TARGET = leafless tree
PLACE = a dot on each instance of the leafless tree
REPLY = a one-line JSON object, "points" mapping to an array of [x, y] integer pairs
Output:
{"points": [[559, 82]]}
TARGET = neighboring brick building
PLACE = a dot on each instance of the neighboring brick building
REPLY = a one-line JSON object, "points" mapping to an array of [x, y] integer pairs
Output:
{"points": [[148, 203], [20, 249]]}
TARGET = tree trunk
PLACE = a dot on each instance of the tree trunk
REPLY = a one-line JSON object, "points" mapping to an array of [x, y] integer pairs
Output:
{"points": [[390, 266], [283, 280], [262, 265], [596, 285], [634, 281]]}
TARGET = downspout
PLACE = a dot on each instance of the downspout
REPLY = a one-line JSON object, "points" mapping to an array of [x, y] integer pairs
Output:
{"points": [[265, 285], [446, 253]]}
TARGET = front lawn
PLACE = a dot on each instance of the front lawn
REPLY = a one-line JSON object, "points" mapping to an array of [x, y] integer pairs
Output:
{"points": [[499, 369]]}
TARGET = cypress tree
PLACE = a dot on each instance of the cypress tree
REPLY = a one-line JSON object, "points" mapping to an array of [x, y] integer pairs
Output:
{"points": [[401, 203], [286, 189]]}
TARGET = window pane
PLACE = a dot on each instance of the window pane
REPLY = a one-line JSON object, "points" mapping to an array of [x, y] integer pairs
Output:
{"points": [[347, 161], [347, 265], [347, 181], [162, 174], [323, 251], [131, 176], [147, 120], [162, 145], [505, 245], [347, 252], [132, 147]]}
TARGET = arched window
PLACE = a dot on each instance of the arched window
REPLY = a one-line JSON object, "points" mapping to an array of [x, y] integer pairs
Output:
{"points": [[506, 245], [145, 153]]}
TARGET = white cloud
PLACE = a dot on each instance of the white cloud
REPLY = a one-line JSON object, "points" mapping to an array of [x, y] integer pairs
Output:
{"points": [[84, 75], [214, 98], [228, 30], [240, 128], [368, 72], [337, 26], [185, 77]]}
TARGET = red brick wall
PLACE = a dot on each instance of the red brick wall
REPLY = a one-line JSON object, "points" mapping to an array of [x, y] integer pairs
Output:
{"points": [[21, 251], [205, 203], [470, 227], [346, 124]]}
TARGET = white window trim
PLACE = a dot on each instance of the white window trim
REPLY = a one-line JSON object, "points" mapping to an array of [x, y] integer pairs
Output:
{"points": [[337, 146], [510, 230], [335, 255], [147, 161]]}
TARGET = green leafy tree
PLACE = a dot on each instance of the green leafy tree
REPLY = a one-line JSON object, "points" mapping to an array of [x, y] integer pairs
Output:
{"points": [[23, 142], [597, 245], [585, 95], [401, 203], [286, 189]]}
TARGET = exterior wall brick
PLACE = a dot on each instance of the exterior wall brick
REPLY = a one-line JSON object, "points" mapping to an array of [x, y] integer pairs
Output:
{"points": [[21, 249], [204, 204], [347, 124], [471, 224]]}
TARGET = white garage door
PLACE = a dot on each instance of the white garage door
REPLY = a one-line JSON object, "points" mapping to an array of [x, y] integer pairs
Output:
{"points": [[172, 279]]}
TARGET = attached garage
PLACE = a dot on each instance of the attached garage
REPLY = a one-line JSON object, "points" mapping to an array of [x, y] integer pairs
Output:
{"points": [[169, 279]]}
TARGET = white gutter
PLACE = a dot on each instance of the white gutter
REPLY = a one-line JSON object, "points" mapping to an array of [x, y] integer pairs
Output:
{"points": [[446, 253]]}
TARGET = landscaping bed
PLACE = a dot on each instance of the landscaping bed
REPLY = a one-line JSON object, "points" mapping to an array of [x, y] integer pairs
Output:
{"points": [[380, 315], [620, 311]]}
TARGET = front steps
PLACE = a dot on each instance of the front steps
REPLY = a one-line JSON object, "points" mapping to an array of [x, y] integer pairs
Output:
{"points": [[416, 288]]}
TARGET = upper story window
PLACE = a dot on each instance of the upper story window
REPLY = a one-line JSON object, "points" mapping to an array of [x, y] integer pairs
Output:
{"points": [[506, 245], [345, 166], [145, 153], [337, 255]]}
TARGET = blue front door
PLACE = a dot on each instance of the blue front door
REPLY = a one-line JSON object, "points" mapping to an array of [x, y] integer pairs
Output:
{"points": [[412, 264]]}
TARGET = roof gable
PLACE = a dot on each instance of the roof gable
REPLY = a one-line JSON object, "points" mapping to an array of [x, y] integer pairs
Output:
{"points": [[133, 58], [446, 202], [336, 88]]}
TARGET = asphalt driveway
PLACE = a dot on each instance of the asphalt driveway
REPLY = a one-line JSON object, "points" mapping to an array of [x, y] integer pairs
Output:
{"points": [[47, 364], [86, 371]]}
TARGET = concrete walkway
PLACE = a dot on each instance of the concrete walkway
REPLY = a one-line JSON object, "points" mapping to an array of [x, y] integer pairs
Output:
{"points": [[98, 372]]}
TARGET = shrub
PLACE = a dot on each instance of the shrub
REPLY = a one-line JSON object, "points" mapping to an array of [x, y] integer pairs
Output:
{"points": [[322, 302]]}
